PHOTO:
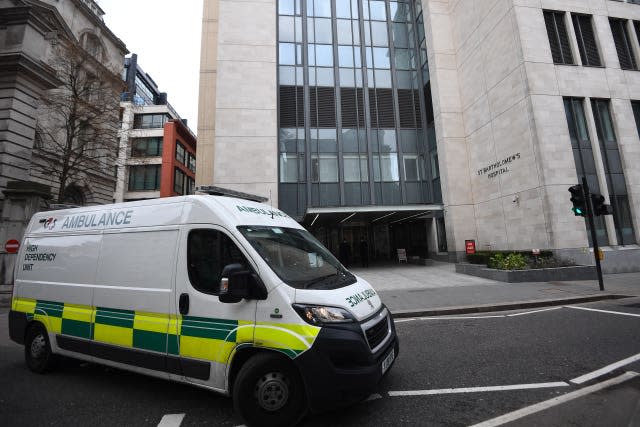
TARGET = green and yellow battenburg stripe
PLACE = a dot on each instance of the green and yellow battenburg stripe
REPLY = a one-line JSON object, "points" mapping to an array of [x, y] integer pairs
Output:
{"points": [[186, 336]]}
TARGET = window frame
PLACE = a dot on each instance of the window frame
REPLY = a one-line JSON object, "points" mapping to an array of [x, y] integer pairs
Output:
{"points": [[580, 38], [559, 26], [221, 235], [145, 168]]}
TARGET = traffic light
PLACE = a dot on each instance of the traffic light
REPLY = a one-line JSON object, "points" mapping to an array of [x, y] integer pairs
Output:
{"points": [[578, 200], [599, 207]]}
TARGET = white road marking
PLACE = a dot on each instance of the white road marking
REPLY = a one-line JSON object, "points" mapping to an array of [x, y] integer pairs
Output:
{"points": [[374, 396], [521, 413], [603, 371], [621, 313], [498, 316], [534, 311], [171, 420], [460, 317], [477, 389]]}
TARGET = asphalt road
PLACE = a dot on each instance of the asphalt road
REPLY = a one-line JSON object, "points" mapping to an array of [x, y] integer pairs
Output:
{"points": [[451, 372]]}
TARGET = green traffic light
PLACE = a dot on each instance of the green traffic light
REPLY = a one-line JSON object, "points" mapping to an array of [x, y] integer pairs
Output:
{"points": [[578, 211]]}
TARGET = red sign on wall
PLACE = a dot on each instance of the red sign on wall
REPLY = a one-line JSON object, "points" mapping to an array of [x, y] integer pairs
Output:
{"points": [[470, 246], [12, 246]]}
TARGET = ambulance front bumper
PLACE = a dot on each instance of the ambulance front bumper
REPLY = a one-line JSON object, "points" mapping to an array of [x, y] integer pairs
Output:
{"points": [[341, 368]]}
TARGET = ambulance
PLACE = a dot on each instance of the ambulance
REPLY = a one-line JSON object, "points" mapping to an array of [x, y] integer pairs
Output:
{"points": [[221, 292]]}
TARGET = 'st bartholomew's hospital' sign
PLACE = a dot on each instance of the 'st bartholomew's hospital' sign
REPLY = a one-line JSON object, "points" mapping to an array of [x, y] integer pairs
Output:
{"points": [[498, 168]]}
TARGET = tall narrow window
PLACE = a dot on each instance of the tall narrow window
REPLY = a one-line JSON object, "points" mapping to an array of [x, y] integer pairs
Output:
{"points": [[586, 37], [636, 113], [558, 38], [614, 172], [623, 44], [583, 157]]}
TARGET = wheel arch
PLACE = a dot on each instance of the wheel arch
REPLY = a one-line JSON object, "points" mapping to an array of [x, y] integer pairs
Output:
{"points": [[242, 356]]}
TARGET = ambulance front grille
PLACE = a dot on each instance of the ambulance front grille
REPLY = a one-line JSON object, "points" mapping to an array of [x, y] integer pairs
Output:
{"points": [[377, 333]]}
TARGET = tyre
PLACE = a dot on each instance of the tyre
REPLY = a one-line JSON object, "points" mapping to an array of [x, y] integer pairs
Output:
{"points": [[268, 391], [37, 350]]}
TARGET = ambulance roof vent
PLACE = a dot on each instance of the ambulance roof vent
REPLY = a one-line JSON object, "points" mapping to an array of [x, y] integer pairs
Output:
{"points": [[219, 191]]}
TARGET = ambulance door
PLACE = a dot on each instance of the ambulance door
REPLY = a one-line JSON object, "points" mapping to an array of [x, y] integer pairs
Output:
{"points": [[208, 330]]}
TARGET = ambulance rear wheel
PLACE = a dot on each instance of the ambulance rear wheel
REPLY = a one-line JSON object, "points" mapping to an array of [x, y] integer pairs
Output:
{"points": [[37, 350], [268, 391]]}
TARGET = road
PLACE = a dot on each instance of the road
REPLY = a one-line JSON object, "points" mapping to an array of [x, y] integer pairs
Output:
{"points": [[453, 371]]}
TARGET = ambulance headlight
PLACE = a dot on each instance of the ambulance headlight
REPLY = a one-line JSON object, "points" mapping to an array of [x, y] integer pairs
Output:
{"points": [[318, 314]]}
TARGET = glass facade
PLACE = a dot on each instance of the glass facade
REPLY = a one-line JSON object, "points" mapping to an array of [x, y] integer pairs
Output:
{"points": [[355, 114]]}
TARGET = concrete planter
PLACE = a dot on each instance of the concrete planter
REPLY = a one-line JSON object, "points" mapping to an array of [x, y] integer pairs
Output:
{"points": [[559, 274]]}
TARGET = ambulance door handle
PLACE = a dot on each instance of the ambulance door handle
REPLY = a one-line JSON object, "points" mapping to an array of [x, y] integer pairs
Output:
{"points": [[183, 304]]}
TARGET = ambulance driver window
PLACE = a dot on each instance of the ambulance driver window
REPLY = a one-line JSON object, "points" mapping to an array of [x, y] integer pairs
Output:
{"points": [[208, 252]]}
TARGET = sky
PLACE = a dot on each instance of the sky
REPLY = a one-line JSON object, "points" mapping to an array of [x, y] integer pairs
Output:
{"points": [[165, 35]]}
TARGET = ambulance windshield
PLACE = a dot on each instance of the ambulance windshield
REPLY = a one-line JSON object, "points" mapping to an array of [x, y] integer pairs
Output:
{"points": [[297, 257]]}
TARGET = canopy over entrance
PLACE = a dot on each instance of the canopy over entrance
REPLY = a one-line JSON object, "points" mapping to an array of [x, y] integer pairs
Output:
{"points": [[371, 215]]}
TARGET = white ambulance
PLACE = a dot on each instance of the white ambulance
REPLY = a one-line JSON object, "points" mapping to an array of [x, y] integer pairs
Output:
{"points": [[220, 292]]}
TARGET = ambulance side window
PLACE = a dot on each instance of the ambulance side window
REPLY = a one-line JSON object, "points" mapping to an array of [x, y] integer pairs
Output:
{"points": [[208, 252]]}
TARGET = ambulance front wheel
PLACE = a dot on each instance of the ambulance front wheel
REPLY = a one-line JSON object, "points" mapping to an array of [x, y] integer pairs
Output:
{"points": [[37, 350], [268, 391]]}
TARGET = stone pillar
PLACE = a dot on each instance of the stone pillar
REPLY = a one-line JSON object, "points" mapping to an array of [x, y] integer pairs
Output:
{"points": [[21, 200]]}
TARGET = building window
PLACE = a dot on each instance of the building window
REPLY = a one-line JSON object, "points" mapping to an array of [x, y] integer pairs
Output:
{"points": [[91, 43], [191, 162], [614, 172], [73, 195], [636, 113], [190, 185], [292, 168], [324, 168], [144, 178], [558, 37], [355, 168], [180, 153], [179, 181], [587, 45], [623, 44], [411, 169], [583, 157], [146, 147], [150, 121], [385, 168]]}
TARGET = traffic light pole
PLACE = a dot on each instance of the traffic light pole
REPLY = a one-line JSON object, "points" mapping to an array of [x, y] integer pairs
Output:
{"points": [[592, 227]]}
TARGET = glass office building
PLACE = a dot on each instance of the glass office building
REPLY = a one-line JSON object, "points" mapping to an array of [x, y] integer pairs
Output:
{"points": [[354, 111]]}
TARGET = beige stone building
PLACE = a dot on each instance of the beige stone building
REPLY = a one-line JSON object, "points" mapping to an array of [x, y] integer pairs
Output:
{"points": [[31, 32], [421, 124]]}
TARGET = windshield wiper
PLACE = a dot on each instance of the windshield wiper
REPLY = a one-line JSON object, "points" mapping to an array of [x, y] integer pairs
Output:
{"points": [[319, 279]]}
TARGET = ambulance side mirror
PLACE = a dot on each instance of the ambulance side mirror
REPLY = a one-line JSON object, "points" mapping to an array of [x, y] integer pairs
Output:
{"points": [[238, 283]]}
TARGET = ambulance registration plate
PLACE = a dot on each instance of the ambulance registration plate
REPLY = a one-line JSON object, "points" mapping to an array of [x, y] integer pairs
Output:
{"points": [[388, 361]]}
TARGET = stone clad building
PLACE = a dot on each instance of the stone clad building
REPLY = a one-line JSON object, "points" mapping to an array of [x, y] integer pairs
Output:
{"points": [[30, 32], [421, 124]]}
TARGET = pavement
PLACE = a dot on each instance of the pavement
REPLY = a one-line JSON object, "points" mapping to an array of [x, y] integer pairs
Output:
{"points": [[416, 290]]}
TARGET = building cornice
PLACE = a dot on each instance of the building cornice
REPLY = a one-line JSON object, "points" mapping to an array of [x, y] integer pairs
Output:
{"points": [[33, 69]]}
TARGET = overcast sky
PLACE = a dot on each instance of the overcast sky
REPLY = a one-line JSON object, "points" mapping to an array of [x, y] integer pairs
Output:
{"points": [[165, 34]]}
